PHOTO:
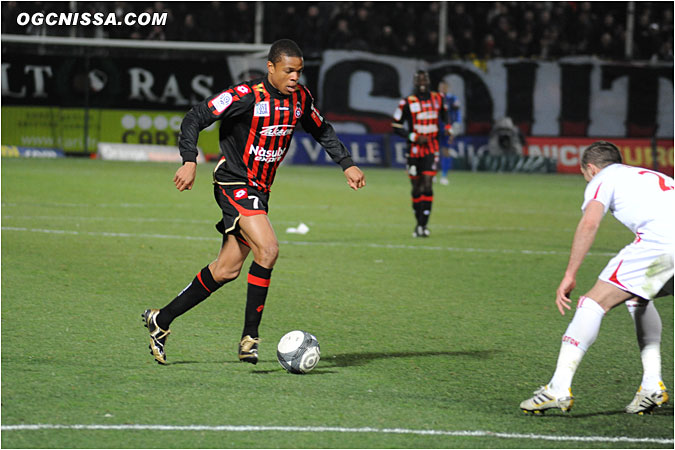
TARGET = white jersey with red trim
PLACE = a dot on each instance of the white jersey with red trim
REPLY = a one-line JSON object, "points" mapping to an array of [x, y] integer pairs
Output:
{"points": [[641, 199]]}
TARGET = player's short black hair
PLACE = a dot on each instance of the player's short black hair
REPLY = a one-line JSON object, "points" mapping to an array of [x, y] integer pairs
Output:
{"points": [[601, 154], [283, 47]]}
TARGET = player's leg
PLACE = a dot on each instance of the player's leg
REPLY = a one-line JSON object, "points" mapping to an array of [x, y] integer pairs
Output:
{"points": [[578, 338], [212, 277], [446, 162], [652, 392], [258, 232], [426, 200], [413, 170], [429, 170]]}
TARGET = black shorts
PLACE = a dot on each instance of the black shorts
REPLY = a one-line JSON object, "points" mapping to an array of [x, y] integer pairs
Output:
{"points": [[236, 200], [426, 165]]}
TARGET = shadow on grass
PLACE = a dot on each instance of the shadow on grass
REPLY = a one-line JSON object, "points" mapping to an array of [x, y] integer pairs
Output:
{"points": [[359, 359], [663, 411]]}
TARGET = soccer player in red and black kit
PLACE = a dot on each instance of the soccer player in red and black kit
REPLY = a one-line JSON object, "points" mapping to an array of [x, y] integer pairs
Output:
{"points": [[421, 112], [258, 119]]}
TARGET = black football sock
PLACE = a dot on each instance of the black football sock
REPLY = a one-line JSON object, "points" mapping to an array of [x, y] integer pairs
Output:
{"points": [[197, 291], [258, 284], [417, 208], [425, 208]]}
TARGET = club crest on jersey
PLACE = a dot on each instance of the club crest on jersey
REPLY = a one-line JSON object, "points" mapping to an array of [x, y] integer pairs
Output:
{"points": [[240, 194], [298, 110], [415, 107], [262, 109]]}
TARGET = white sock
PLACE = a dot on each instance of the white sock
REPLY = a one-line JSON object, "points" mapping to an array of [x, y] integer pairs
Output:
{"points": [[648, 330], [580, 335]]}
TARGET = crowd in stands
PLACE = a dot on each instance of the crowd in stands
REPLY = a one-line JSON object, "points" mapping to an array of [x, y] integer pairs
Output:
{"points": [[483, 30]]}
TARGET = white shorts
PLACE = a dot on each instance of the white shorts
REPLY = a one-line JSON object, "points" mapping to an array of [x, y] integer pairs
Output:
{"points": [[640, 269]]}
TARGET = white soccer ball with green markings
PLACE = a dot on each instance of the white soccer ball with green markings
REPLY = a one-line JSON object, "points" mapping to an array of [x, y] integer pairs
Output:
{"points": [[298, 352]]}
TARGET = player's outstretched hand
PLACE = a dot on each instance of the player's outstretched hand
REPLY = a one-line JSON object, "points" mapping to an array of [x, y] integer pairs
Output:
{"points": [[562, 299], [355, 178], [185, 176]]}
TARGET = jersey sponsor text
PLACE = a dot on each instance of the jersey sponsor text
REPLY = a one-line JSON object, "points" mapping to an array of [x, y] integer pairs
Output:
{"points": [[268, 156]]}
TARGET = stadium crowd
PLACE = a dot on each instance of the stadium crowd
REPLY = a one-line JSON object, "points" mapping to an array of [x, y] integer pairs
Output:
{"points": [[483, 30]]}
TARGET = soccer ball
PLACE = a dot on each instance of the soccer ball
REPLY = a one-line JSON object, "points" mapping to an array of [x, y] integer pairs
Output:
{"points": [[298, 352]]}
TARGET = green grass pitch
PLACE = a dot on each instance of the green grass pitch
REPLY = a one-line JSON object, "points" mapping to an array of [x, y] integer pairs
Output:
{"points": [[426, 343]]}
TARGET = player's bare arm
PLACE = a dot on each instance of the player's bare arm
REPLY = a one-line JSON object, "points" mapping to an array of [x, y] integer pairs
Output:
{"points": [[581, 244]]}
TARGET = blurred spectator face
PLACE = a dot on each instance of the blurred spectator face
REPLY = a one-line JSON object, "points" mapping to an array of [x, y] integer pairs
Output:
{"points": [[285, 73], [362, 14], [529, 16], [608, 20], [545, 17], [443, 87], [503, 24], [313, 11], [421, 82]]}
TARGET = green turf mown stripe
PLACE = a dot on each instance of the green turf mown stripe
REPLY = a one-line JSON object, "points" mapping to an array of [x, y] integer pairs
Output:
{"points": [[325, 244]]}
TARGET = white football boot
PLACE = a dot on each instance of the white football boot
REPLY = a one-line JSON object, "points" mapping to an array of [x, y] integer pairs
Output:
{"points": [[644, 401], [545, 399]]}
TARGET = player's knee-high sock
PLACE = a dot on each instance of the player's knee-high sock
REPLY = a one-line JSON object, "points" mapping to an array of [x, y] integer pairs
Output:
{"points": [[580, 335], [258, 284], [426, 201], [197, 291], [648, 330], [417, 207]]}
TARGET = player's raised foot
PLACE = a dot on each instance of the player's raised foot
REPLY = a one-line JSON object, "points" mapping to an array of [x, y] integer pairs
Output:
{"points": [[157, 335], [545, 399], [248, 349], [645, 401], [426, 232]]}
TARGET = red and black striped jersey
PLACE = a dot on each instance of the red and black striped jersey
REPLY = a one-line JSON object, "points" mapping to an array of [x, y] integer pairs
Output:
{"points": [[257, 124], [421, 114]]}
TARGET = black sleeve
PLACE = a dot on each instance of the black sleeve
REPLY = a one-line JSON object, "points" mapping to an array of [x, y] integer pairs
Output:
{"points": [[228, 103], [324, 134], [198, 118]]}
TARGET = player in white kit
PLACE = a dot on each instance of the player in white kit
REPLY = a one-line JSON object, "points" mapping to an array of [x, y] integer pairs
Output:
{"points": [[642, 200]]}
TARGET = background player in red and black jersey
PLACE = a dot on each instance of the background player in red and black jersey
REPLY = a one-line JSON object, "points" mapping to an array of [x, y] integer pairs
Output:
{"points": [[258, 119], [416, 119]]}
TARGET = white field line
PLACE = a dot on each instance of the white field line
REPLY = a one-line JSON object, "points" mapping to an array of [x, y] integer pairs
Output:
{"points": [[303, 243], [284, 222], [286, 206], [294, 429]]}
